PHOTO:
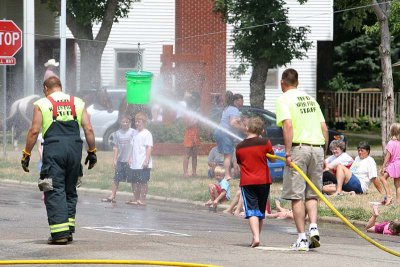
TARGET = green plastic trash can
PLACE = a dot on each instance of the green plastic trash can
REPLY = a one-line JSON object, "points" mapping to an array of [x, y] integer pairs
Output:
{"points": [[138, 87]]}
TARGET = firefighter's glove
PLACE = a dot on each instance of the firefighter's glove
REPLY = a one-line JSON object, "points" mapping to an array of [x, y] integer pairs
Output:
{"points": [[26, 157], [91, 158]]}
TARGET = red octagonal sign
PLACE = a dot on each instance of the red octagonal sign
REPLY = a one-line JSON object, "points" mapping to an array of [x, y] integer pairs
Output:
{"points": [[10, 38]]}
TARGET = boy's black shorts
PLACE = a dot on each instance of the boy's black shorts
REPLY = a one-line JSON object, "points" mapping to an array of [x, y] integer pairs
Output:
{"points": [[123, 172], [141, 175], [255, 200]]}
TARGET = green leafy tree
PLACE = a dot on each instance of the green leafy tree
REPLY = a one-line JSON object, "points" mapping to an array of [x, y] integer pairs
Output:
{"points": [[81, 16], [357, 61], [387, 14], [262, 39]]}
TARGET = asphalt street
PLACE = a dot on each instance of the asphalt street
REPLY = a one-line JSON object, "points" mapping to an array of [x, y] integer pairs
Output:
{"points": [[171, 231]]}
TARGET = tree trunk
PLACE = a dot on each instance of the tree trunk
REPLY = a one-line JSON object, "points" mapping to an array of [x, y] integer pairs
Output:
{"points": [[91, 48], [382, 12], [257, 83], [91, 53]]}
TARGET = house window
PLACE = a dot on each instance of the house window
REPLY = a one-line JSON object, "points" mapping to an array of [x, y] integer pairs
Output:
{"points": [[272, 79], [126, 61]]}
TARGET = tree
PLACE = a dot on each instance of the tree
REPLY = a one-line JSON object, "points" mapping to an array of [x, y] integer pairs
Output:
{"points": [[382, 10], [81, 16], [262, 39], [357, 63]]}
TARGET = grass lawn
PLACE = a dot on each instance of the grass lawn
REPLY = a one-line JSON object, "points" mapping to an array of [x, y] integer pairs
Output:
{"points": [[166, 180], [372, 137]]}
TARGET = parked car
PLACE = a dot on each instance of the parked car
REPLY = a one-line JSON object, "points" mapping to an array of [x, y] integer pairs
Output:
{"points": [[104, 123], [273, 132]]}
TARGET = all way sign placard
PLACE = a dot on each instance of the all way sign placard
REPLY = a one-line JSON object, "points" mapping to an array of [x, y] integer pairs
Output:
{"points": [[10, 41]]}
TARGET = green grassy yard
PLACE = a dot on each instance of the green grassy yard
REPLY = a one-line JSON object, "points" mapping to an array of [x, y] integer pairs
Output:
{"points": [[167, 181], [372, 137]]}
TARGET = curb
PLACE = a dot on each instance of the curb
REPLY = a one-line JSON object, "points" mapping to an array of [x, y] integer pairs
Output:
{"points": [[333, 220]]}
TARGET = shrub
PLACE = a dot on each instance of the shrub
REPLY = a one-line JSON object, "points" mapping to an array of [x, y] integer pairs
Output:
{"points": [[339, 83], [173, 132], [362, 123], [167, 133]]}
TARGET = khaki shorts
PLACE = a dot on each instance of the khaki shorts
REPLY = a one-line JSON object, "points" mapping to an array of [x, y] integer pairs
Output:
{"points": [[310, 159]]}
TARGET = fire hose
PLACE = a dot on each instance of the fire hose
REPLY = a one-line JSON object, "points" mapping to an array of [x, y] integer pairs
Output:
{"points": [[337, 213]]}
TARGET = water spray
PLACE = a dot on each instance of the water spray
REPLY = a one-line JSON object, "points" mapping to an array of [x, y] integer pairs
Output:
{"points": [[167, 102]]}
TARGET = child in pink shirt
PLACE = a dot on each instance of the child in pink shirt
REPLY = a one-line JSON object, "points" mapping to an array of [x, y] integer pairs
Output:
{"points": [[386, 228], [391, 164]]}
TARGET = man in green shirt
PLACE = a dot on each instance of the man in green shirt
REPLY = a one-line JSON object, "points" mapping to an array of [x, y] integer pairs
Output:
{"points": [[305, 136]]}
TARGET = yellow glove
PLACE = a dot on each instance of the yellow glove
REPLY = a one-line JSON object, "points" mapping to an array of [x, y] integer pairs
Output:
{"points": [[26, 157]]}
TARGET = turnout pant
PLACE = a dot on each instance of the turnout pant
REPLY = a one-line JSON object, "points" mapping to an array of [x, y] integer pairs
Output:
{"points": [[62, 154]]}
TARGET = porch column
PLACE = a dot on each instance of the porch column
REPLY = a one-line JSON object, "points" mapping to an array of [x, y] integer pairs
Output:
{"points": [[63, 26], [29, 47]]}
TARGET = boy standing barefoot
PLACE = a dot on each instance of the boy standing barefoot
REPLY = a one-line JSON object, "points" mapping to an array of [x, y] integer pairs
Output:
{"points": [[122, 148], [140, 160], [255, 178]]}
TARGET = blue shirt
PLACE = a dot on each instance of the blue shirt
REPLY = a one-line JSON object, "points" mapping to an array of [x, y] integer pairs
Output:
{"points": [[225, 186], [229, 113]]}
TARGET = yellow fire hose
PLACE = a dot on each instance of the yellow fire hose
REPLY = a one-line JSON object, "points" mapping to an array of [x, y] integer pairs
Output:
{"points": [[323, 198], [126, 262]]}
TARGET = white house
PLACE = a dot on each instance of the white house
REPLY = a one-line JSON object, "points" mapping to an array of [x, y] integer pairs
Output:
{"points": [[319, 16], [152, 23]]}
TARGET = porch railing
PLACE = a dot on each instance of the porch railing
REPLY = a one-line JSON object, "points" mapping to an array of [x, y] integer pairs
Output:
{"points": [[349, 106]]}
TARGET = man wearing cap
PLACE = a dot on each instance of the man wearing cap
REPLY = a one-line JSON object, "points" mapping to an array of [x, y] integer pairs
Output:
{"points": [[59, 116], [305, 136], [51, 65]]}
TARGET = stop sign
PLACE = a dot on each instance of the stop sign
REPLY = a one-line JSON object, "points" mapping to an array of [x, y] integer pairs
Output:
{"points": [[10, 38]]}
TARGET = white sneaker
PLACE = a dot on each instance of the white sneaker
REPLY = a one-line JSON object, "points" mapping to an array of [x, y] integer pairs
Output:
{"points": [[314, 238], [301, 245]]}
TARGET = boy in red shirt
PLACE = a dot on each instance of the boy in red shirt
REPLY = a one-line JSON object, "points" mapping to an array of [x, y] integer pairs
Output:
{"points": [[255, 178]]}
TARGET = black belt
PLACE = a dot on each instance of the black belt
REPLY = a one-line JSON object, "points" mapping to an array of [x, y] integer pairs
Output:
{"points": [[305, 144]]}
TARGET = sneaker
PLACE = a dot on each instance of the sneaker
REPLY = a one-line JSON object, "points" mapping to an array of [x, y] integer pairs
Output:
{"points": [[314, 238], [70, 238], [58, 241], [301, 245]]}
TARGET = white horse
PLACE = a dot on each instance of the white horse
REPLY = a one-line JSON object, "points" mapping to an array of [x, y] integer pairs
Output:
{"points": [[20, 117], [21, 111]]}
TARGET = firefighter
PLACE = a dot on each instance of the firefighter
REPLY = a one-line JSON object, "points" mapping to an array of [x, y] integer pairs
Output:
{"points": [[60, 115]]}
